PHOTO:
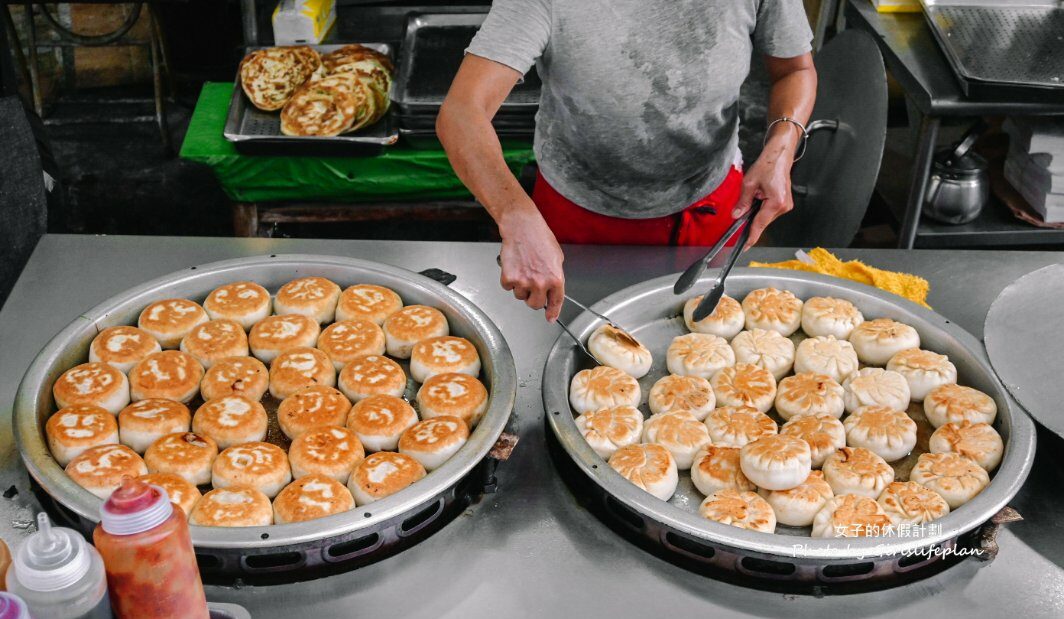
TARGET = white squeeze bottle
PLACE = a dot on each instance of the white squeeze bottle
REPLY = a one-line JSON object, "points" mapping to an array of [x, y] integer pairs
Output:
{"points": [[59, 575]]}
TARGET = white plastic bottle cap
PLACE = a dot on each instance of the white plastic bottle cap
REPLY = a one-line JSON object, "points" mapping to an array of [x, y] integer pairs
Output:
{"points": [[135, 507], [12, 607], [52, 558]]}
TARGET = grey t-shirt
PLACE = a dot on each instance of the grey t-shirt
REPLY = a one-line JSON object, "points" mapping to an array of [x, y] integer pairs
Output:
{"points": [[639, 110]]}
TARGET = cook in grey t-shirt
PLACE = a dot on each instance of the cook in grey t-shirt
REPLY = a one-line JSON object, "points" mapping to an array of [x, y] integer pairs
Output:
{"points": [[639, 113]]}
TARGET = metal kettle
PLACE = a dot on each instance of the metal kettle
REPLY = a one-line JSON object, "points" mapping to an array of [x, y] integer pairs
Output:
{"points": [[959, 186]]}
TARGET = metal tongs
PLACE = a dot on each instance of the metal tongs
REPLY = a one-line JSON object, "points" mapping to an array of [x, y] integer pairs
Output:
{"points": [[580, 344], [688, 278]]}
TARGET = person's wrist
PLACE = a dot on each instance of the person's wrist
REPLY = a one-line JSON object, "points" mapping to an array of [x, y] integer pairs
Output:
{"points": [[515, 218]]}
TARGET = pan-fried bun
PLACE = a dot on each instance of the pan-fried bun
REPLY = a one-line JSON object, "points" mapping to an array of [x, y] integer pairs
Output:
{"points": [[923, 370], [956, 403], [186, 454], [168, 375], [231, 420], [101, 469], [876, 386], [615, 348], [776, 462], [122, 347], [75, 429], [679, 432], [273, 335], [311, 497], [826, 355], [798, 506], [851, 515], [142, 423], [215, 340], [243, 376], [331, 452], [319, 109], [889, 433], [602, 387], [367, 302], [824, 433], [371, 375], [809, 393], [907, 502], [408, 326], [349, 339], [170, 320], [383, 474], [745, 385], [823, 316], [650, 467], [609, 429], [96, 384], [855, 470], [433, 441], [313, 297], [716, 468], [236, 506], [310, 408], [957, 478], [978, 441], [380, 420], [300, 367], [698, 354], [261, 466], [443, 355], [735, 426], [766, 349], [244, 302], [772, 309], [460, 395], [745, 510], [726, 320], [876, 341], [178, 490], [270, 76], [687, 393]]}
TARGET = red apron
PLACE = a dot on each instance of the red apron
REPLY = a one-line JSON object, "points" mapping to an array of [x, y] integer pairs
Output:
{"points": [[702, 223]]}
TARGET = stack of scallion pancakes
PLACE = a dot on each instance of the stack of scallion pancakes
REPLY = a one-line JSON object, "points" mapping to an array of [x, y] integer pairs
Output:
{"points": [[340, 92]]}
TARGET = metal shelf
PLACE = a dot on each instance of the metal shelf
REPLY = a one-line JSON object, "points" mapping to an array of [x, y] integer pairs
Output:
{"points": [[995, 227]]}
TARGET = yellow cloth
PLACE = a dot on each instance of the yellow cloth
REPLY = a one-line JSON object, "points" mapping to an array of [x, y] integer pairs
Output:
{"points": [[905, 285]]}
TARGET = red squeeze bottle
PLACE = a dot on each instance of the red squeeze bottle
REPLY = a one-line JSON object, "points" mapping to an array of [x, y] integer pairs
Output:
{"points": [[148, 555]]}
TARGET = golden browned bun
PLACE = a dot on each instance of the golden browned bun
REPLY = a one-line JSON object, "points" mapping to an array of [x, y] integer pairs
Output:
{"points": [[349, 339], [170, 320], [321, 109], [955, 403], [726, 321], [957, 478], [122, 347], [742, 509], [717, 468], [876, 341], [798, 506], [215, 340], [443, 355], [75, 429], [851, 515], [142, 423], [331, 452], [231, 420], [232, 507], [809, 393], [311, 497], [619, 349], [735, 426], [978, 441], [367, 302], [774, 310], [824, 433], [273, 335], [244, 302], [679, 432], [371, 375], [271, 75], [650, 467], [244, 376], [609, 429], [433, 441], [907, 502], [101, 469], [312, 407], [178, 490], [409, 326], [745, 385], [460, 395], [168, 375], [257, 465], [776, 462], [856, 470], [822, 316], [889, 433], [682, 393], [602, 387], [300, 367], [96, 384], [380, 420], [313, 297], [383, 474], [185, 454], [924, 370]]}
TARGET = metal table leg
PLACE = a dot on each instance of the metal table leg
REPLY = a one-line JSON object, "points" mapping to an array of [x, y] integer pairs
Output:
{"points": [[250, 19], [35, 79], [925, 151]]}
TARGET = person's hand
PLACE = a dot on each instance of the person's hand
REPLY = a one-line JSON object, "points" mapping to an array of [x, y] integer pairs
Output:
{"points": [[770, 180], [531, 261]]}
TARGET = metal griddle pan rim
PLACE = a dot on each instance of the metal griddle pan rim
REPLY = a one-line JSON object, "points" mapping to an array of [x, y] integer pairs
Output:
{"points": [[1007, 480], [33, 401]]}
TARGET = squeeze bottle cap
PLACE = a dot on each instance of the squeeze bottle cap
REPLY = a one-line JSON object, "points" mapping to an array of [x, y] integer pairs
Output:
{"points": [[12, 607], [135, 507], [52, 558]]}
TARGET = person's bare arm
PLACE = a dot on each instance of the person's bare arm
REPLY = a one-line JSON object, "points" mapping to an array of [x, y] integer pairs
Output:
{"points": [[793, 94], [531, 257]]}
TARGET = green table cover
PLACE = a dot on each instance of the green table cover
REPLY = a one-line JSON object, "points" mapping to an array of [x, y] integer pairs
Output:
{"points": [[402, 172]]}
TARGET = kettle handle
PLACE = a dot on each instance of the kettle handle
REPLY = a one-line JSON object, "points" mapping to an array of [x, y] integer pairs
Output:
{"points": [[966, 143]]}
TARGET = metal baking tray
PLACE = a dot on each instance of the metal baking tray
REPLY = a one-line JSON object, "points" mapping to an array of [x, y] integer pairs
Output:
{"points": [[255, 132], [300, 550], [432, 50], [653, 313], [1001, 42]]}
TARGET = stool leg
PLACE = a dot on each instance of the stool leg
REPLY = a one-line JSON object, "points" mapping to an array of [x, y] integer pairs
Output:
{"points": [[164, 50], [160, 101], [245, 219], [35, 78]]}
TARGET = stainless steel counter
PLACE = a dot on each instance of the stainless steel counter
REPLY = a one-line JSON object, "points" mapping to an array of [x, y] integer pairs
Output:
{"points": [[531, 549]]}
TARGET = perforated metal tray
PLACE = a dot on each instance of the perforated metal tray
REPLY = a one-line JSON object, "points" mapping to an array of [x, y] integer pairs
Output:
{"points": [[653, 314], [1017, 42], [300, 550], [255, 132]]}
